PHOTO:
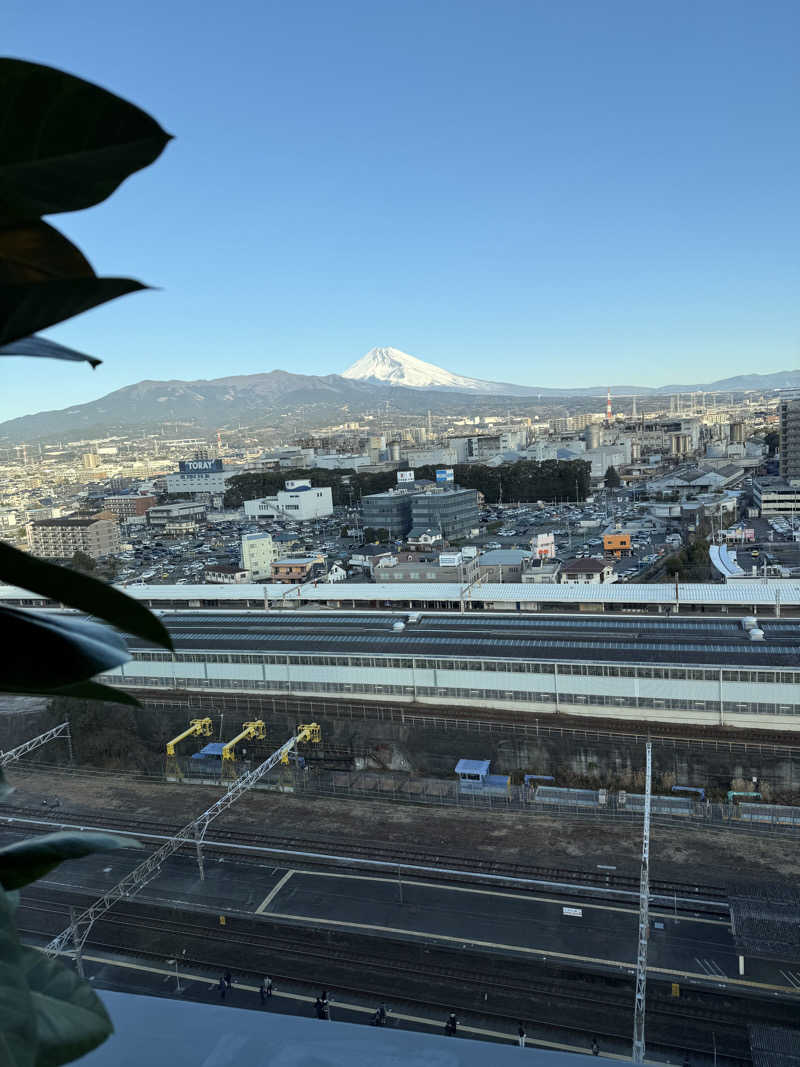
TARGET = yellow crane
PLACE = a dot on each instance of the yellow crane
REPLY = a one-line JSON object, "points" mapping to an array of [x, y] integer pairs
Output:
{"points": [[196, 728], [251, 731]]}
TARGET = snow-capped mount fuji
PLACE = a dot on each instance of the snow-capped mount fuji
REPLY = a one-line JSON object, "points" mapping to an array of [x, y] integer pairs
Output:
{"points": [[390, 366]]}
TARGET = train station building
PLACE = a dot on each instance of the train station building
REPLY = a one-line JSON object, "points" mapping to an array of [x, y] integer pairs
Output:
{"points": [[707, 672]]}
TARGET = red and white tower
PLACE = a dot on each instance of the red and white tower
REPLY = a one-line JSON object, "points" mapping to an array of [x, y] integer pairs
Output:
{"points": [[608, 405]]}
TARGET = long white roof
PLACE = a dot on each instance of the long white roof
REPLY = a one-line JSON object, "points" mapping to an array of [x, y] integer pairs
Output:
{"points": [[742, 592]]}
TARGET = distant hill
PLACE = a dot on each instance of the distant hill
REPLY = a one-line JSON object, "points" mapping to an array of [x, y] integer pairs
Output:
{"points": [[383, 376]]}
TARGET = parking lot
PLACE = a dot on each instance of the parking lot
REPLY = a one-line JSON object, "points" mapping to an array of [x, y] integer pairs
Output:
{"points": [[171, 561], [577, 530]]}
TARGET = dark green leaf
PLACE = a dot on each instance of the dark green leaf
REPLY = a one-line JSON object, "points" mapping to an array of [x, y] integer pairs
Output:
{"points": [[17, 1018], [79, 591], [37, 252], [44, 349], [66, 144], [46, 651], [25, 309], [70, 1018], [25, 861]]}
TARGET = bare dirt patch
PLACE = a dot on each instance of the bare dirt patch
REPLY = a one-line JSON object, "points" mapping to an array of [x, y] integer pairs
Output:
{"points": [[709, 857]]}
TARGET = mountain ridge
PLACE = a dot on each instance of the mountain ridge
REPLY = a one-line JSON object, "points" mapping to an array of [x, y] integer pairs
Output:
{"points": [[212, 403]]}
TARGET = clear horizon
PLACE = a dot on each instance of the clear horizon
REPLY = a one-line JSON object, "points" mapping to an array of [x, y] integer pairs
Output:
{"points": [[510, 191]]}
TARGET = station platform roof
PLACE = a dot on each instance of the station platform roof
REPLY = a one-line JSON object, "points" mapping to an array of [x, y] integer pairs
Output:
{"points": [[672, 640], [743, 593]]}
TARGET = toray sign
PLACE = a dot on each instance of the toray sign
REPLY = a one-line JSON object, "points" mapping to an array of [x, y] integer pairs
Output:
{"points": [[199, 466]]}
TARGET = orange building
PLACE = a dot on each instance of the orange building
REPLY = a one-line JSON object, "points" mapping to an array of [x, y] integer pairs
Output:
{"points": [[617, 544]]}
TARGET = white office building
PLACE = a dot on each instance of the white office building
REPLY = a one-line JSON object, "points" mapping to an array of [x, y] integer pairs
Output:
{"points": [[299, 501]]}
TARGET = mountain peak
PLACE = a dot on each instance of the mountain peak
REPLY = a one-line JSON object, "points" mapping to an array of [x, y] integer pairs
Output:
{"points": [[394, 367]]}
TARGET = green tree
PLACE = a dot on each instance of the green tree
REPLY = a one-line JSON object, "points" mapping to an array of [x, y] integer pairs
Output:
{"points": [[82, 563], [379, 534], [612, 479]]}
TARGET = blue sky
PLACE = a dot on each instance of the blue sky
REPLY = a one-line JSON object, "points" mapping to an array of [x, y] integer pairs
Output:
{"points": [[543, 193]]}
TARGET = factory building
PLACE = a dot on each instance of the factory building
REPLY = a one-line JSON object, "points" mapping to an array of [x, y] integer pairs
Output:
{"points": [[705, 672], [199, 476]]}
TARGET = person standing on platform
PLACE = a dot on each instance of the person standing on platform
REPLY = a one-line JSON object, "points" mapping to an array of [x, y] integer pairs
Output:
{"points": [[228, 979], [451, 1025], [222, 987], [521, 1035], [268, 986]]}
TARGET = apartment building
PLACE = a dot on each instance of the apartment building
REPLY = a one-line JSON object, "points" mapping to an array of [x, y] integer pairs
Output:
{"points": [[62, 538], [258, 555], [129, 506]]}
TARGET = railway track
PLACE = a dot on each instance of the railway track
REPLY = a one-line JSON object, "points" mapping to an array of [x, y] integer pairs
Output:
{"points": [[581, 1003], [369, 851]]}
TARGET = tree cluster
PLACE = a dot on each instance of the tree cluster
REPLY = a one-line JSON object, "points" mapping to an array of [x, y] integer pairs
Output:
{"points": [[526, 480], [691, 564]]}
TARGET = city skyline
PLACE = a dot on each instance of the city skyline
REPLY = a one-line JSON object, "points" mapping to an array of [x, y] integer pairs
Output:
{"points": [[567, 196]]}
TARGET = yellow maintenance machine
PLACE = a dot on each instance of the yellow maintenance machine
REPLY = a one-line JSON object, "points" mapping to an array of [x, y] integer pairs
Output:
{"points": [[309, 732], [251, 731], [196, 728]]}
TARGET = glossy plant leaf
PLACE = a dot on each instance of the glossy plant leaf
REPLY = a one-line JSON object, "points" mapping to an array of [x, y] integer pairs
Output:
{"points": [[80, 591], [18, 1029], [25, 309], [44, 651], [41, 348], [67, 144], [25, 861], [70, 1019], [37, 252]]}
